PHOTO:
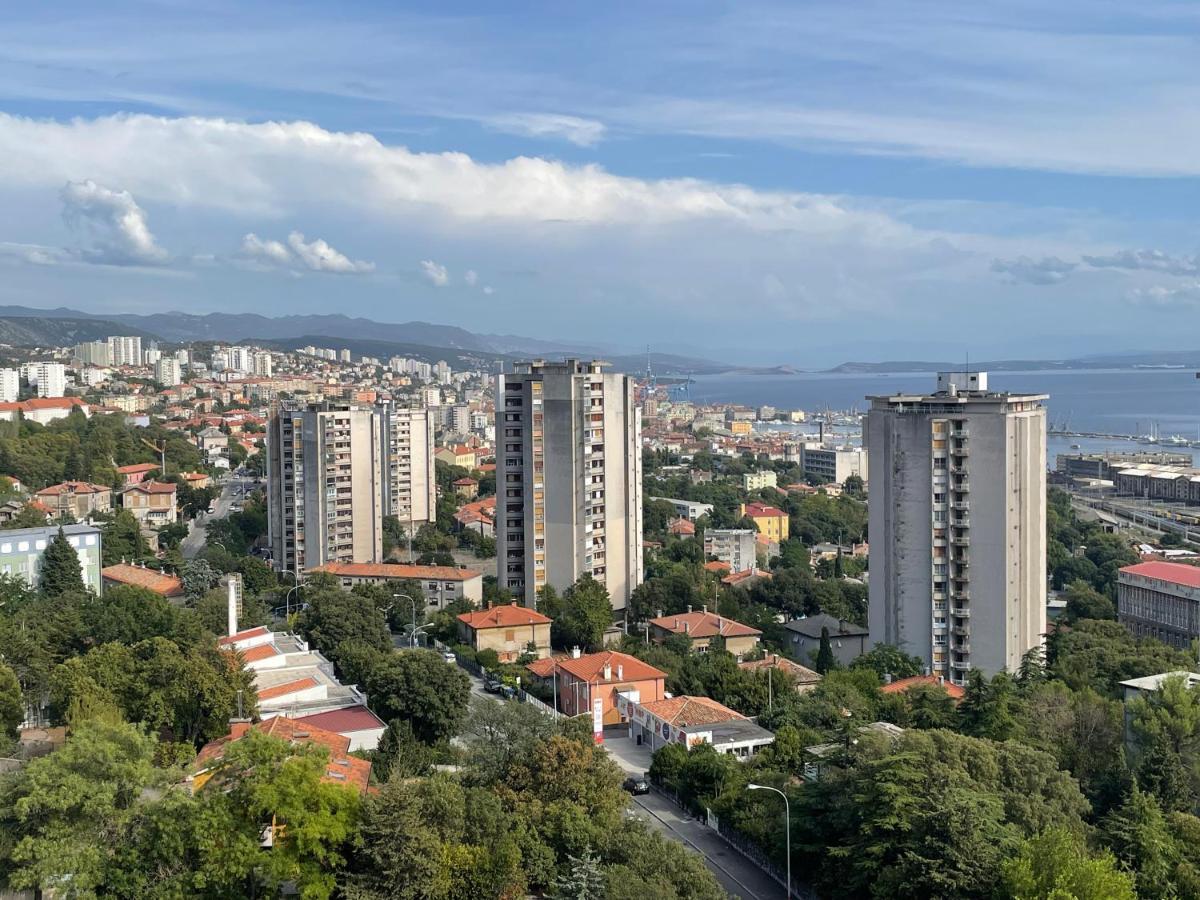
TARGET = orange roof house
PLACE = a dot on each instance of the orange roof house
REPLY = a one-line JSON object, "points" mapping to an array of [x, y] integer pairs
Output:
{"points": [[702, 626], [598, 681], [805, 678], [903, 685], [342, 768], [139, 576], [769, 520], [510, 630], [136, 473]]}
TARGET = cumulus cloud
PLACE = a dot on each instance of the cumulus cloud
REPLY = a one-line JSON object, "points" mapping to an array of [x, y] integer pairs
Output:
{"points": [[437, 274], [1148, 260], [581, 132], [488, 289], [112, 225], [315, 255], [1182, 296], [1024, 270], [471, 277]]}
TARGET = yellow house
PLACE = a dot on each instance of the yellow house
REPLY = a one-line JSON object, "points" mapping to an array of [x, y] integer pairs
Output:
{"points": [[509, 630], [770, 521]]}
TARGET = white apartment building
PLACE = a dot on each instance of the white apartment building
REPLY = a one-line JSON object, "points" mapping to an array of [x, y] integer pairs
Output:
{"points": [[568, 478], [10, 385], [958, 525], [756, 481], [94, 353], [168, 372], [833, 465], [239, 359], [152, 356], [324, 486], [736, 547], [262, 364], [50, 378], [409, 482], [125, 351]]}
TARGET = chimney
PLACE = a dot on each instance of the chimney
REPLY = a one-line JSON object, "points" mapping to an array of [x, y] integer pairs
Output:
{"points": [[620, 672], [608, 671], [238, 728], [658, 614], [704, 608], [925, 671], [575, 652], [941, 680], [689, 608], [887, 678], [514, 603], [231, 606]]}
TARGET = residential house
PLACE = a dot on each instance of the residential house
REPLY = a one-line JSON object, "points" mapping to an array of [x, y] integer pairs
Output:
{"points": [[804, 678], [904, 685], [458, 455], [196, 480], [510, 630], [702, 627], [847, 640], [212, 442], [152, 503], [467, 488], [691, 721], [162, 583], [769, 520], [442, 585], [136, 473], [682, 528], [77, 499], [42, 410], [592, 683]]}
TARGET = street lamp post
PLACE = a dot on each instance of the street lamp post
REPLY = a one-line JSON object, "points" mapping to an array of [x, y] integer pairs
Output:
{"points": [[412, 638], [286, 597], [787, 825]]}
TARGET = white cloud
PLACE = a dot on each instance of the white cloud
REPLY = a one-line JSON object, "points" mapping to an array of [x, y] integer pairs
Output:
{"points": [[1179, 297], [581, 132], [34, 254], [488, 289], [320, 257], [1048, 270], [471, 277], [437, 274], [112, 223], [1148, 260], [315, 255]]}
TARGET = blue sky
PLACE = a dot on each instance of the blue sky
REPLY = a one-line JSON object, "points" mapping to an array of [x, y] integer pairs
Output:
{"points": [[799, 183]]}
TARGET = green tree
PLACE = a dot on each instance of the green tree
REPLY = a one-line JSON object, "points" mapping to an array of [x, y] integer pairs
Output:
{"points": [[887, 659], [29, 517], [60, 571], [198, 578], [1138, 835], [1166, 726], [1085, 602], [825, 659], [586, 614], [581, 880], [1056, 865], [122, 540], [12, 706], [334, 617], [421, 688]]}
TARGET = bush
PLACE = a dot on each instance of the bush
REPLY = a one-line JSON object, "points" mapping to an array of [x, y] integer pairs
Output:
{"points": [[489, 659]]}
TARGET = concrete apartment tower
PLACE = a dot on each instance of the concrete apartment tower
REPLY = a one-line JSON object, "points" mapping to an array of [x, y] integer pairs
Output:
{"points": [[568, 479], [324, 485], [409, 483], [958, 524]]}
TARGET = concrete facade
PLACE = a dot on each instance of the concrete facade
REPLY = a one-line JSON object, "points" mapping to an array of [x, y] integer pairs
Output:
{"points": [[568, 479], [958, 525], [736, 547], [409, 484], [21, 552], [1160, 600], [833, 465], [324, 486]]}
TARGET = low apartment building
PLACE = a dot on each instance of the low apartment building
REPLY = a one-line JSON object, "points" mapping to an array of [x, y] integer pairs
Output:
{"points": [[1160, 600], [441, 584], [770, 521], [691, 721], [594, 683], [21, 552], [703, 627], [847, 640], [736, 547], [511, 631], [152, 503], [688, 509], [77, 499], [833, 465], [757, 481]]}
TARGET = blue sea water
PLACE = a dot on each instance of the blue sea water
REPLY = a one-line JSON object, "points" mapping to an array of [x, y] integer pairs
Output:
{"points": [[1124, 401]]}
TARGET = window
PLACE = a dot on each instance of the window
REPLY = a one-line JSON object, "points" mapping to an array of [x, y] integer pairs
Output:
{"points": [[510, 636], [39, 545], [23, 547]]}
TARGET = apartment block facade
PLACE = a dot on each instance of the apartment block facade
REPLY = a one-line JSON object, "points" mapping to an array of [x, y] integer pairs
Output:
{"points": [[409, 484], [324, 486], [958, 524], [737, 547], [569, 479]]}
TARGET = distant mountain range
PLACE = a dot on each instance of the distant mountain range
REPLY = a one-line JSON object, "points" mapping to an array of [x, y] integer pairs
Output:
{"points": [[28, 326], [1165, 359]]}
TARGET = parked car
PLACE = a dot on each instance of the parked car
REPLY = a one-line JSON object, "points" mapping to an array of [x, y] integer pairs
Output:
{"points": [[507, 691], [636, 786], [449, 657], [492, 684]]}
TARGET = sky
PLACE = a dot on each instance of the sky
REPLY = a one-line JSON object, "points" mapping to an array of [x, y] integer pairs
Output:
{"points": [[765, 183]]}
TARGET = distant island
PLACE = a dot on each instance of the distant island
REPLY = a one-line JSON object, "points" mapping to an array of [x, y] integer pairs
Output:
{"points": [[1171, 359]]}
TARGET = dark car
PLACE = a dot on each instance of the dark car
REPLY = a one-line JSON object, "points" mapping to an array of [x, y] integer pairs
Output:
{"points": [[635, 785], [492, 685], [507, 691]]}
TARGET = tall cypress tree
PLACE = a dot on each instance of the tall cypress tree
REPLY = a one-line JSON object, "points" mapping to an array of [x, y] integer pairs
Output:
{"points": [[60, 571], [825, 658]]}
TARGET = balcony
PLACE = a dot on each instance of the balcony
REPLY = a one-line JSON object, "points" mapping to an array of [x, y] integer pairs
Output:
{"points": [[961, 631], [963, 485], [960, 451], [960, 504], [961, 612], [963, 522], [960, 538]]}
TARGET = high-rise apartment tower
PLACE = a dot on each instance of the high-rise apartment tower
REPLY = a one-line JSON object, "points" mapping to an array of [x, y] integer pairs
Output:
{"points": [[568, 479], [409, 482], [958, 524]]}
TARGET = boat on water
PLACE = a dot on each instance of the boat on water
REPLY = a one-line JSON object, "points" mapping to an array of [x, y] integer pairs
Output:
{"points": [[1076, 447]]}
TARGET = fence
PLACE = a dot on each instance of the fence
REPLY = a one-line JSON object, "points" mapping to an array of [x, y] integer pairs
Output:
{"points": [[743, 844]]}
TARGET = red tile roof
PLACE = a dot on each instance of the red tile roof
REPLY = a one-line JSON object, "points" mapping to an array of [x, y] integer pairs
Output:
{"points": [[397, 570], [42, 403], [262, 651], [243, 635], [716, 566], [153, 487], [704, 624], [761, 510], [290, 687], [736, 578], [137, 467], [159, 582], [508, 616], [73, 487], [682, 526], [802, 674], [352, 718], [543, 668], [684, 711], [905, 684], [590, 668], [1175, 573]]}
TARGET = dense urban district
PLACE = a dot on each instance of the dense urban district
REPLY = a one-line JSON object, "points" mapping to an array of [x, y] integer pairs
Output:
{"points": [[304, 623]]}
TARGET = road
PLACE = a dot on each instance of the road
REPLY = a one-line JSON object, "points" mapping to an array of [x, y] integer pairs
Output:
{"points": [[738, 876], [198, 534]]}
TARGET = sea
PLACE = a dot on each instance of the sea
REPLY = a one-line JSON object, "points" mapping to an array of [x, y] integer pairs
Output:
{"points": [[1140, 402]]}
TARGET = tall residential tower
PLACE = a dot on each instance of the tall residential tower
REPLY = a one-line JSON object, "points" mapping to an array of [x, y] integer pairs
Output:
{"points": [[324, 486], [568, 479], [409, 483], [958, 524]]}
